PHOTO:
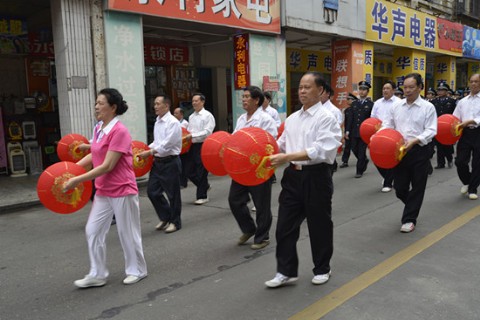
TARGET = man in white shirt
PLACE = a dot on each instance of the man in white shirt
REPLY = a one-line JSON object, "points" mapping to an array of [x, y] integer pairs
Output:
{"points": [[272, 112], [201, 125], [178, 113], [165, 173], [468, 111], [261, 194], [416, 119], [309, 142], [381, 110]]}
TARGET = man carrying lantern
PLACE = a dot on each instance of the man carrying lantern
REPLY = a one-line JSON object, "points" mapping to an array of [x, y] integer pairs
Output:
{"points": [[165, 173], [309, 142], [416, 120], [381, 109], [361, 110], [200, 125], [261, 194], [444, 105], [468, 111]]}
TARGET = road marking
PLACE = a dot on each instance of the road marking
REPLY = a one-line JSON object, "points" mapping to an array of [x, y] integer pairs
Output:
{"points": [[330, 302]]}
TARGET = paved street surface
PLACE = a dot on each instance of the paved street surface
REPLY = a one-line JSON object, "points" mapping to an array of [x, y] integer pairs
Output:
{"points": [[200, 273]]}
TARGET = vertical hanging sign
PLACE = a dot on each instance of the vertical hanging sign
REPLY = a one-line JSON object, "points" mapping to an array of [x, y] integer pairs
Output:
{"points": [[241, 60]]}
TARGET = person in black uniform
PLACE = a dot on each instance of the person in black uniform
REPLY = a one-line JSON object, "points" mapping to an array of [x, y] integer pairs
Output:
{"points": [[347, 115], [443, 105], [431, 94], [361, 110]]}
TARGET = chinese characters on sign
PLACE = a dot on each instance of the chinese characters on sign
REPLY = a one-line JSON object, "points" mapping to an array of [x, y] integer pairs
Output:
{"points": [[299, 60], [261, 15], [241, 61], [450, 35], [156, 54], [13, 36]]}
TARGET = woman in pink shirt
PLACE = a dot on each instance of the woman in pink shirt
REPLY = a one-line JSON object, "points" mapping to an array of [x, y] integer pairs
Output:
{"points": [[117, 193]]}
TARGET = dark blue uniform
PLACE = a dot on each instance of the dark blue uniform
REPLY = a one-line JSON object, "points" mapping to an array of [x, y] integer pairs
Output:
{"points": [[361, 110], [444, 105], [348, 115]]}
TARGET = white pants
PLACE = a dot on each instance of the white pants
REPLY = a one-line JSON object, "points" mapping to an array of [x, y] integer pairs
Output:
{"points": [[127, 215]]}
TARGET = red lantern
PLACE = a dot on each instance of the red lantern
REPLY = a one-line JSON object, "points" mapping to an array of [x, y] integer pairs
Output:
{"points": [[448, 130], [387, 148], [50, 188], [246, 156], [141, 166], [368, 128], [67, 148], [280, 130], [186, 144], [212, 152]]}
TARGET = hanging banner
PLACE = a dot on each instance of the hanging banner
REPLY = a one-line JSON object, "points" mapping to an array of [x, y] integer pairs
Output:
{"points": [[471, 42], [245, 14], [450, 35]]}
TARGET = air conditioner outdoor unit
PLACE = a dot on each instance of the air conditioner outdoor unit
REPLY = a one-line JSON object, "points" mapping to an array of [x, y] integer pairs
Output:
{"points": [[16, 158]]}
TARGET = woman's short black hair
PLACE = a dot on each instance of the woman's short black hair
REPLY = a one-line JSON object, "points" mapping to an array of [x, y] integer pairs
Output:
{"points": [[114, 97]]}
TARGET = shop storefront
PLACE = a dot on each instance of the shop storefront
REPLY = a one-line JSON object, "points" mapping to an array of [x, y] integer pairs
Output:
{"points": [[29, 119]]}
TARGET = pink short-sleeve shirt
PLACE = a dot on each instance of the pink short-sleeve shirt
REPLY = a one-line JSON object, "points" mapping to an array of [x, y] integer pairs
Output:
{"points": [[120, 181]]}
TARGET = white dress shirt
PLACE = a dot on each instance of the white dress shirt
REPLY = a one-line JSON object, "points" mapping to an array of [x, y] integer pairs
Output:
{"points": [[315, 131], [418, 120], [334, 110], [167, 136], [201, 125], [273, 113], [184, 123], [468, 108], [259, 119], [381, 107]]}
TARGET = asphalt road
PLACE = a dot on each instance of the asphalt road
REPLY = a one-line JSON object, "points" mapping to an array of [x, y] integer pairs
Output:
{"points": [[200, 273]]}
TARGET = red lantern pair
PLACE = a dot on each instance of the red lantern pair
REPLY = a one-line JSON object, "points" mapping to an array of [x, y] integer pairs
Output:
{"points": [[50, 188], [368, 128], [68, 147], [141, 166], [387, 148], [448, 129], [246, 156]]}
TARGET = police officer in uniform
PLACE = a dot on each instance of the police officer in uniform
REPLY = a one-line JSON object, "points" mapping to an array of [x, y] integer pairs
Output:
{"points": [[443, 105], [348, 118], [361, 110], [431, 94]]}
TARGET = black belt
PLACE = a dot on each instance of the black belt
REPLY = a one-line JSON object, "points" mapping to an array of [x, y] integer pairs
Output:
{"points": [[473, 128], [311, 167], [165, 159]]}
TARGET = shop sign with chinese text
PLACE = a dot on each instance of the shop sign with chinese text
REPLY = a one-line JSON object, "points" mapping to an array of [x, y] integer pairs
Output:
{"points": [[156, 54], [241, 64], [390, 23], [261, 15]]}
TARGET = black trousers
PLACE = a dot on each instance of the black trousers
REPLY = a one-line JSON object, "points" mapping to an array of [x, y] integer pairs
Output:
{"points": [[411, 180], [387, 175], [443, 152], [305, 194], [261, 194], [183, 175], [195, 170], [165, 178], [359, 149], [346, 151], [469, 148]]}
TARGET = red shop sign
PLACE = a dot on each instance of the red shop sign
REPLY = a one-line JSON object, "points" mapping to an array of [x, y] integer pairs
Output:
{"points": [[241, 60]]}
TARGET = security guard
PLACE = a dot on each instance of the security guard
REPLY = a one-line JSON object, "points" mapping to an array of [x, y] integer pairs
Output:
{"points": [[443, 105], [431, 94], [361, 110], [347, 114]]}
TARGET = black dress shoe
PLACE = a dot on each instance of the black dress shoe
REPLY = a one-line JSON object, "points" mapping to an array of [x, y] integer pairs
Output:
{"points": [[344, 165], [358, 175], [440, 167]]}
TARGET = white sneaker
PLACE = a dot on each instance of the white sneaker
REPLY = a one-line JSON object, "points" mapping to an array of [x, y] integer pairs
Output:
{"points": [[133, 279], [321, 278], [464, 189], [472, 196], [90, 281], [280, 280], [201, 201], [407, 227], [254, 209], [386, 189]]}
